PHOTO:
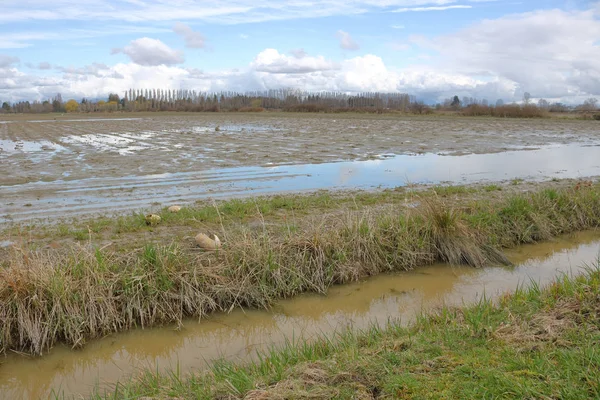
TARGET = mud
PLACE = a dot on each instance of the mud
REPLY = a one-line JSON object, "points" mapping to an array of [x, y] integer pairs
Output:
{"points": [[238, 335], [69, 167]]}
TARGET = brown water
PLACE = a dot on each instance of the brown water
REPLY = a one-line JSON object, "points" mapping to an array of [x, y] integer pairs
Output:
{"points": [[238, 335]]}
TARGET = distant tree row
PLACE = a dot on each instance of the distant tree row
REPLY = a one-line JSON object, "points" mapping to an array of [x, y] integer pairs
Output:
{"points": [[280, 99], [455, 103], [283, 99], [190, 100]]}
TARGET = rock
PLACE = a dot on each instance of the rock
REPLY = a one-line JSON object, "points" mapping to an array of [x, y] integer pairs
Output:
{"points": [[207, 243], [174, 209], [152, 219]]}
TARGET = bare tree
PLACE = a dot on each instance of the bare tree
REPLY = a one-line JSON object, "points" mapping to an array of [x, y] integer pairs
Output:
{"points": [[542, 103], [590, 104]]}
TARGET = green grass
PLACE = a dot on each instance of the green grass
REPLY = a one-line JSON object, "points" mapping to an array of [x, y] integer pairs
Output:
{"points": [[492, 188], [78, 293], [453, 190], [272, 208], [536, 343], [229, 211]]}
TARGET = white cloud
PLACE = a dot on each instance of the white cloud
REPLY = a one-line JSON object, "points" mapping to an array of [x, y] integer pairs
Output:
{"points": [[298, 53], [244, 36], [346, 41], [434, 8], [149, 52], [397, 26], [550, 53], [97, 70], [7, 61], [229, 12], [271, 61], [14, 40], [193, 40]]}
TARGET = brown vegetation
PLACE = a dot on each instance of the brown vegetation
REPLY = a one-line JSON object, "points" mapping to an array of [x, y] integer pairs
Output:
{"points": [[505, 111], [71, 296]]}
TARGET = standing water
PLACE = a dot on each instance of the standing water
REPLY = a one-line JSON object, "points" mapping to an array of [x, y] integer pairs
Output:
{"points": [[68, 198], [238, 335]]}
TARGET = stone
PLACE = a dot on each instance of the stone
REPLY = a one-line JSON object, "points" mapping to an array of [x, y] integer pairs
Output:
{"points": [[152, 219], [207, 243], [174, 209]]}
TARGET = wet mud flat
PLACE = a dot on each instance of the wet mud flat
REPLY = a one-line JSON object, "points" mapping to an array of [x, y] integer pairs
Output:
{"points": [[70, 167], [240, 334]]}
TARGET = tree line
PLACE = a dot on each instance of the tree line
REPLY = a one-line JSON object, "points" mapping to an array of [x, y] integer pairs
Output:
{"points": [[190, 100], [134, 100]]}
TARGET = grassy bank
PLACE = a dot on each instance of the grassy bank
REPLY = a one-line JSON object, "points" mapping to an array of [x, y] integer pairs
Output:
{"points": [[86, 292], [536, 343]]}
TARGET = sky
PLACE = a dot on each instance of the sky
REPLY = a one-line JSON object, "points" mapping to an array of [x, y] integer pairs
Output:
{"points": [[433, 49]]}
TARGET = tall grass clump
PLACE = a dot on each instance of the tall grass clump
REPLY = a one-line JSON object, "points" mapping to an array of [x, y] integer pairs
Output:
{"points": [[50, 296]]}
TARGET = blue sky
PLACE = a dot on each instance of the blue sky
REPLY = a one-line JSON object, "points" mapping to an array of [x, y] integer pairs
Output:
{"points": [[431, 48]]}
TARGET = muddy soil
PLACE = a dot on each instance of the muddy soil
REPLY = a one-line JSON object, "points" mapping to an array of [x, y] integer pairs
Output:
{"points": [[69, 149], [56, 165]]}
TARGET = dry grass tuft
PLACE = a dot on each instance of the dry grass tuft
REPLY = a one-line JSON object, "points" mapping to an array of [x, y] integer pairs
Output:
{"points": [[314, 381], [549, 326], [454, 241], [49, 296]]}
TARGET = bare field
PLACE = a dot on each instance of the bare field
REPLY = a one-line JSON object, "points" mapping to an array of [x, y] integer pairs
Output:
{"points": [[56, 164]]}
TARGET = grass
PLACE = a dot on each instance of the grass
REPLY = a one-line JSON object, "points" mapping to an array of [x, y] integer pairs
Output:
{"points": [[536, 343], [492, 188], [85, 292], [453, 190], [234, 210]]}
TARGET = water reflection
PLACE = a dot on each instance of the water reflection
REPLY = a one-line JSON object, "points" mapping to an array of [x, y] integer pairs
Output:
{"points": [[73, 197]]}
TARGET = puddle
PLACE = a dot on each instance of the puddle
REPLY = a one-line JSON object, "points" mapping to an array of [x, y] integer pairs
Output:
{"points": [[66, 120], [238, 335], [122, 144], [8, 146], [72, 197], [224, 129]]}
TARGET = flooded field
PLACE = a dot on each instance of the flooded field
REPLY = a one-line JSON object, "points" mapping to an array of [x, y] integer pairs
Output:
{"points": [[238, 335], [79, 166]]}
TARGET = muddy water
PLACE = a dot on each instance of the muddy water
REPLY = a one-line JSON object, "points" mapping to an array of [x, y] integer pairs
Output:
{"points": [[66, 198], [238, 335]]}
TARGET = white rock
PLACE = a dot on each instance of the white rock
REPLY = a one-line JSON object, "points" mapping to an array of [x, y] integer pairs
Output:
{"points": [[207, 243], [174, 209]]}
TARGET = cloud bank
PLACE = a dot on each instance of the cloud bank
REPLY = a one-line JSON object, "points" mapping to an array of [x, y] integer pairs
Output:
{"points": [[553, 54]]}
